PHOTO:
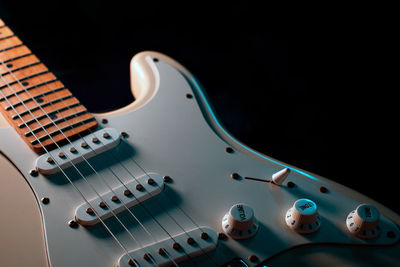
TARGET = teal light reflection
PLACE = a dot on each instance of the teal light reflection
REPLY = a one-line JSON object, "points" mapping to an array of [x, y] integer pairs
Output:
{"points": [[240, 144]]}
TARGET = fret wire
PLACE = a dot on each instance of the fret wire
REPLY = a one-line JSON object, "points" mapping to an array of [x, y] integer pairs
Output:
{"points": [[53, 122], [21, 125], [6, 37], [17, 57], [22, 67], [30, 99], [87, 202], [31, 87], [25, 78], [43, 105], [11, 47]]}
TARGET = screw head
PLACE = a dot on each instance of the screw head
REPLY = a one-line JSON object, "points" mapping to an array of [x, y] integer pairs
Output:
{"points": [[222, 236], [73, 224], [235, 175], [253, 258], [34, 173], [45, 200], [104, 121], [323, 189], [290, 184], [229, 150], [167, 179], [124, 135]]}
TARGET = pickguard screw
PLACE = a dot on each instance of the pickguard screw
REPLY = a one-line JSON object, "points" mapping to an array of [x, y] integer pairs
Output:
{"points": [[189, 96], [204, 235], [45, 200], [167, 179], [104, 121], [253, 258], [222, 236], [229, 150], [290, 184], [155, 59], [34, 173], [124, 135], [235, 175], [323, 189], [151, 181], [73, 224]]}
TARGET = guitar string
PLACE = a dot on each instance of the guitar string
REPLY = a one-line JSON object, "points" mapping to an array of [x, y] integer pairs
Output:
{"points": [[87, 202], [133, 176], [104, 180], [120, 180], [174, 203]]}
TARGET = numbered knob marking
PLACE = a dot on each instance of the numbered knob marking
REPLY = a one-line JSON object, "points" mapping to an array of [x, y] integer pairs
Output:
{"points": [[364, 222], [239, 222], [303, 216]]}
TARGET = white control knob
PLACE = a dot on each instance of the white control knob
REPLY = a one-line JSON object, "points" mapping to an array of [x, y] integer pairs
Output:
{"points": [[239, 222], [303, 216], [363, 222]]}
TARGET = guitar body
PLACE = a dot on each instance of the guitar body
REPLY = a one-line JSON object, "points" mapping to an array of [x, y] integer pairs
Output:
{"points": [[171, 130]]}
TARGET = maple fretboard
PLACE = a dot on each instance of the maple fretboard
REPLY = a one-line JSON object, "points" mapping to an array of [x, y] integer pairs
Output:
{"points": [[34, 101]]}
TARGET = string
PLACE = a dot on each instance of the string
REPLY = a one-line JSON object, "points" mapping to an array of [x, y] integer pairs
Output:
{"points": [[92, 169], [47, 152]]}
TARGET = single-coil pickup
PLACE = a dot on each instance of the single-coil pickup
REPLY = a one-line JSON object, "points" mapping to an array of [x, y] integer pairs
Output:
{"points": [[78, 151], [173, 250], [119, 199]]}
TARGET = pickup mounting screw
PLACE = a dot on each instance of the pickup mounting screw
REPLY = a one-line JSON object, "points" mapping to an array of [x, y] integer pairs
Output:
{"points": [[73, 224], [45, 200], [34, 173]]}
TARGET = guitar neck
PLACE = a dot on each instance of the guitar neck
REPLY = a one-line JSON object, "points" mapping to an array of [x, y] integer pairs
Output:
{"points": [[34, 101]]}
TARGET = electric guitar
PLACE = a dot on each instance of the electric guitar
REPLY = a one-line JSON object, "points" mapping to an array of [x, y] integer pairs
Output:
{"points": [[161, 183]]}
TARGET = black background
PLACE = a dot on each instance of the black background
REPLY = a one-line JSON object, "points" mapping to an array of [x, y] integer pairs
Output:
{"points": [[308, 85]]}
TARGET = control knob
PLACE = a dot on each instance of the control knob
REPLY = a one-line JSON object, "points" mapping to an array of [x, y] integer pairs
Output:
{"points": [[363, 222], [303, 216], [239, 222]]}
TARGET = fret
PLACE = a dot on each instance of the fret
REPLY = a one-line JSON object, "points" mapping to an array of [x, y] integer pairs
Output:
{"points": [[48, 108], [53, 122], [33, 82], [33, 96], [5, 33], [21, 75], [63, 128], [14, 53], [40, 98], [54, 114], [9, 43], [19, 64]]}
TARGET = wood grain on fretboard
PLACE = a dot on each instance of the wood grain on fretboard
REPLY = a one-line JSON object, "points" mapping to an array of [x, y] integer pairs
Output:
{"points": [[34, 101]]}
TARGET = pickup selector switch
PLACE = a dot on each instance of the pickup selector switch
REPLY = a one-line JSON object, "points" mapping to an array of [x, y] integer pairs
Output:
{"points": [[239, 222], [303, 216], [363, 222]]}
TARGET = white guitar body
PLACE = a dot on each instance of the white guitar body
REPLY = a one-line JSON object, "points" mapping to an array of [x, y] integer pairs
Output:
{"points": [[170, 133]]}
